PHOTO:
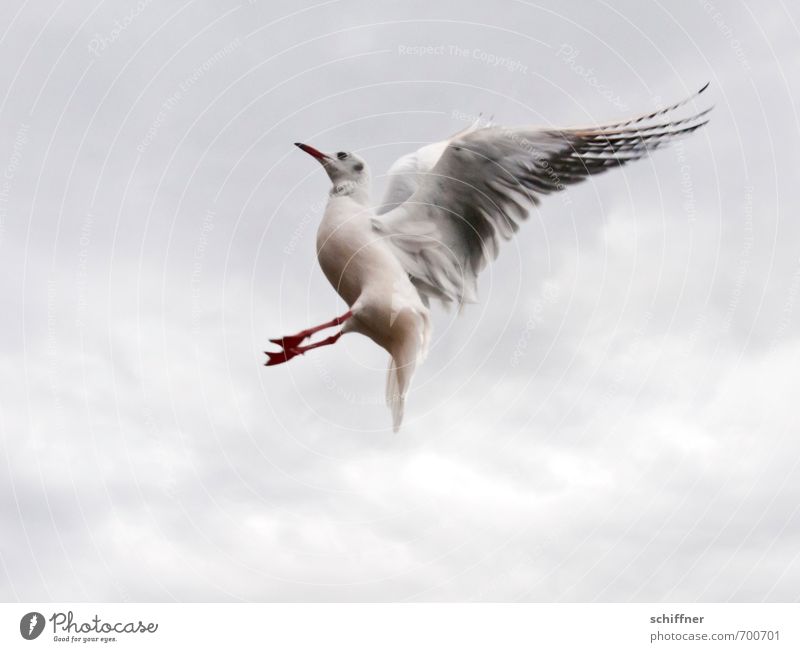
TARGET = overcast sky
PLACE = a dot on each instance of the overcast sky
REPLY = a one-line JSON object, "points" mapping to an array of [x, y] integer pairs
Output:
{"points": [[615, 421]]}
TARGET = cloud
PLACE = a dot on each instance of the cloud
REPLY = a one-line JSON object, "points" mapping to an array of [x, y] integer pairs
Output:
{"points": [[613, 422]]}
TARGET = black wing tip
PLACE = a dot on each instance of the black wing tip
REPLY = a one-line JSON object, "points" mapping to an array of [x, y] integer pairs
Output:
{"points": [[708, 83]]}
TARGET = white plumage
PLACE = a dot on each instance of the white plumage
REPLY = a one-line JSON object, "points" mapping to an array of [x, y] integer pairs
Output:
{"points": [[446, 209]]}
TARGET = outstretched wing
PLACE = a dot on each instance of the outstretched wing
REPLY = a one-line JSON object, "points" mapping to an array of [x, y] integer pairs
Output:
{"points": [[407, 172], [487, 179]]}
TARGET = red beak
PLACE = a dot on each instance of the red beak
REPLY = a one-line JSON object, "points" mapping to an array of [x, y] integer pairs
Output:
{"points": [[313, 151]]}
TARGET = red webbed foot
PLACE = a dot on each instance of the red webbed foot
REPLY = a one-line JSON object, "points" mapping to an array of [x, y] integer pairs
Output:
{"points": [[279, 357], [291, 343]]}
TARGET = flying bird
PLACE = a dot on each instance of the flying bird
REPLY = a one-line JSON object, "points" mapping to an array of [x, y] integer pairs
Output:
{"points": [[445, 210]]}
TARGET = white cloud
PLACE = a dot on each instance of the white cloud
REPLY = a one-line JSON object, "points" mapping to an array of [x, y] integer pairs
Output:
{"points": [[614, 422]]}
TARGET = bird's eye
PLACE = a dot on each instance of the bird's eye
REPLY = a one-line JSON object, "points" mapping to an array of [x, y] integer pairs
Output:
{"points": [[341, 155]]}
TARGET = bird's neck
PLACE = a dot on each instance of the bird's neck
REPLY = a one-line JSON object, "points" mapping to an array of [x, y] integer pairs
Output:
{"points": [[358, 192]]}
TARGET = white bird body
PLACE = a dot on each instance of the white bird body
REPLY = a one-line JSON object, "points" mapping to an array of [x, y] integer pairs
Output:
{"points": [[447, 207], [384, 304]]}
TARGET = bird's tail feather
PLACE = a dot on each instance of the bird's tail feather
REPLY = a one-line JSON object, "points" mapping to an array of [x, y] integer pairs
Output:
{"points": [[395, 394], [402, 365]]}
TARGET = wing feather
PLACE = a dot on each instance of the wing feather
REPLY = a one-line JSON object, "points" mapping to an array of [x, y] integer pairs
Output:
{"points": [[482, 183]]}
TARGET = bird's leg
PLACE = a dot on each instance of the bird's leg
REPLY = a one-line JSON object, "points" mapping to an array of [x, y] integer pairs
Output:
{"points": [[291, 343], [287, 354]]}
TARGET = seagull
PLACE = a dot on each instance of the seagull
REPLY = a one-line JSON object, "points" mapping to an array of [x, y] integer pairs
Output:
{"points": [[446, 209]]}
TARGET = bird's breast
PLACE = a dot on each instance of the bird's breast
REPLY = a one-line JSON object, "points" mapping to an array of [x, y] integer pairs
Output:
{"points": [[346, 251]]}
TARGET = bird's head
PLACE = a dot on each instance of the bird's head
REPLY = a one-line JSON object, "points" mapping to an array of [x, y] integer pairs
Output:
{"points": [[347, 171]]}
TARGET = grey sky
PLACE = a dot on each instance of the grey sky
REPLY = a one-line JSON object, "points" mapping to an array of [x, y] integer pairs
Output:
{"points": [[615, 421]]}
